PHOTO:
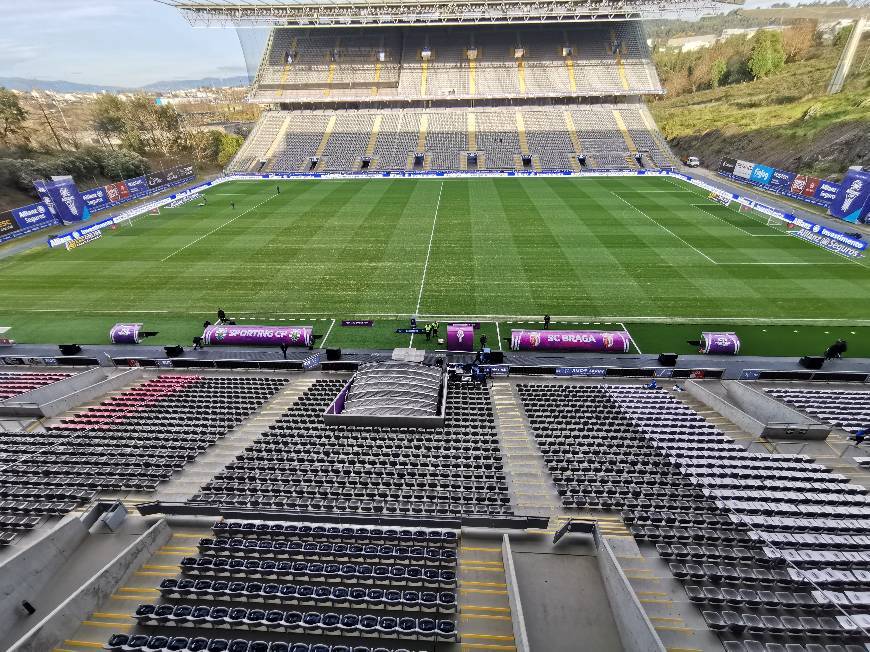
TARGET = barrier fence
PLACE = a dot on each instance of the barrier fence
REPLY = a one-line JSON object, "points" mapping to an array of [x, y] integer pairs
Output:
{"points": [[62, 203]]}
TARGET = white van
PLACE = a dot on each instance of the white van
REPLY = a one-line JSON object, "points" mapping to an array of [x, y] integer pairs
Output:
{"points": [[692, 162]]}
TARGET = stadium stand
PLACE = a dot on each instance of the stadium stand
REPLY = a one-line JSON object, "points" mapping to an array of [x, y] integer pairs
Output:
{"points": [[846, 409], [302, 580], [129, 442], [533, 98], [390, 139], [303, 464], [768, 546], [344, 64], [15, 383]]}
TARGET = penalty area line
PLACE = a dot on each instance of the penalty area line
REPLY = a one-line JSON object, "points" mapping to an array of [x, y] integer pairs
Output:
{"points": [[217, 228], [326, 337], [664, 228], [631, 338]]}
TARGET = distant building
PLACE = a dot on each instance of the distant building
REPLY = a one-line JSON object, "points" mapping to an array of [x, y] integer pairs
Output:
{"points": [[692, 43]]}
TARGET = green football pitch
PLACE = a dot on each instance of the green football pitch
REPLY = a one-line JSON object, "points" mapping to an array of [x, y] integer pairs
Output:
{"points": [[653, 254]]}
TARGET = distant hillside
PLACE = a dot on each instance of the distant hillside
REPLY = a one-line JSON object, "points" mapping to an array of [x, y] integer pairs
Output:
{"points": [[60, 86], [205, 82], [786, 120], [663, 29]]}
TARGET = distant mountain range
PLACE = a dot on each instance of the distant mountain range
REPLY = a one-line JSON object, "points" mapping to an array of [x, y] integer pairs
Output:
{"points": [[60, 86]]}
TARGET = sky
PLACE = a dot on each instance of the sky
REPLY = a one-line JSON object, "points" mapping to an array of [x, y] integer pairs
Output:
{"points": [[112, 42], [118, 42]]}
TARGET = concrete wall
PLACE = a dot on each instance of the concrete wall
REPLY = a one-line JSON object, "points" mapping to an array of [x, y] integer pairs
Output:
{"points": [[68, 393], [704, 393], [57, 626], [780, 420], [26, 574], [755, 412], [521, 637], [635, 629]]}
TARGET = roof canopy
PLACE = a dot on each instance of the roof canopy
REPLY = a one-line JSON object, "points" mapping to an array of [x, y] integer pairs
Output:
{"points": [[362, 13]]}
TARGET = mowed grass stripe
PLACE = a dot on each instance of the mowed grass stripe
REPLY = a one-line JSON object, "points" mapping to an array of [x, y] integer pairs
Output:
{"points": [[501, 246]]}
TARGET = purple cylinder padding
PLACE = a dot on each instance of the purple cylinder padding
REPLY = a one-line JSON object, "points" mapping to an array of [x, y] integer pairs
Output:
{"points": [[258, 335], [460, 337], [593, 341], [721, 343], [125, 334]]}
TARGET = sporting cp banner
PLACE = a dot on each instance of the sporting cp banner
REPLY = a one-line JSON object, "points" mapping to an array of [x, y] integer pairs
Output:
{"points": [[727, 165], [761, 174], [743, 169], [259, 335], [852, 201], [65, 199]]}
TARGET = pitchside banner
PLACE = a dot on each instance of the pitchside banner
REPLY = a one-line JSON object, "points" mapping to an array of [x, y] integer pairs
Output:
{"points": [[547, 340], [137, 186], [42, 190], [33, 217], [826, 192], [7, 225], [743, 169], [259, 335], [852, 201], [727, 165], [804, 185], [781, 180], [112, 194], [761, 174], [66, 199]]}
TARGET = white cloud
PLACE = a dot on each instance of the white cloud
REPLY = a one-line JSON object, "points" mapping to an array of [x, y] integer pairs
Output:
{"points": [[62, 11], [14, 53]]}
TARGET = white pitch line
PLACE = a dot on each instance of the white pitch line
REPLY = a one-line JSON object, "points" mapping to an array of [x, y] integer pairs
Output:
{"points": [[700, 207], [663, 227], [218, 228], [631, 338], [326, 337], [498, 335], [516, 319], [428, 254]]}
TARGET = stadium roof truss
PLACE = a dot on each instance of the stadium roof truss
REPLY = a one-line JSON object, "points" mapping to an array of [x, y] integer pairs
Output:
{"points": [[367, 13]]}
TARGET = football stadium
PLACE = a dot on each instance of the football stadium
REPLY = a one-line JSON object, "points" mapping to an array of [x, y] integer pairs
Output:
{"points": [[454, 354]]}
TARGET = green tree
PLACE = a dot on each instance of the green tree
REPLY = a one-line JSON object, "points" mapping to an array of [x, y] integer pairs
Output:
{"points": [[230, 145], [842, 36], [717, 72], [12, 116], [107, 117], [767, 55]]}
